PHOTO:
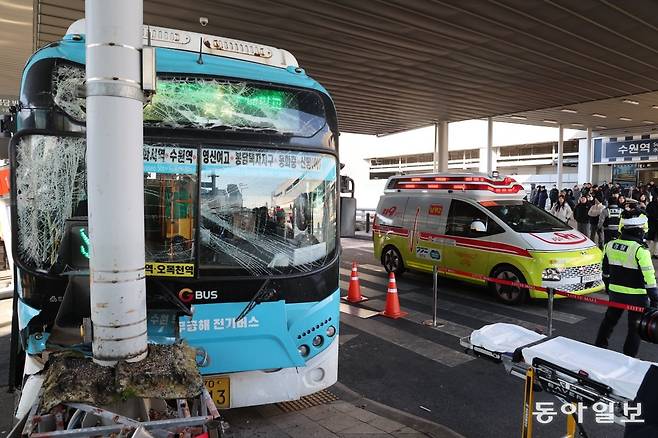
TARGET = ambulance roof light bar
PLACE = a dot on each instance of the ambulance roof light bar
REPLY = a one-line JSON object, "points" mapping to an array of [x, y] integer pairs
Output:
{"points": [[207, 44], [464, 182]]}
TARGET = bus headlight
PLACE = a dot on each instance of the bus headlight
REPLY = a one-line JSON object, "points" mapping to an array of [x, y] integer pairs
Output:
{"points": [[331, 330], [552, 274], [303, 350], [317, 341]]}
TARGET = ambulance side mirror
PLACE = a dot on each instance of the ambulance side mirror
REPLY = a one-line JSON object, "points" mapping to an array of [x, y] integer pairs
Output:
{"points": [[477, 226]]}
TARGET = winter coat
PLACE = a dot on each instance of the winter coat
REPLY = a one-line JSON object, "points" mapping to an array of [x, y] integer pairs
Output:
{"points": [[553, 195], [595, 214], [580, 213], [563, 213], [652, 216], [541, 199]]}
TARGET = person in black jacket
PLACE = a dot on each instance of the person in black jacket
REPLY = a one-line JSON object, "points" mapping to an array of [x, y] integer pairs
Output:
{"points": [[541, 198], [552, 195], [580, 215], [652, 234]]}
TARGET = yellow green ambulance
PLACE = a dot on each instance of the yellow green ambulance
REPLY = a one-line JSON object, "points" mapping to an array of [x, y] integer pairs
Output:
{"points": [[480, 224]]}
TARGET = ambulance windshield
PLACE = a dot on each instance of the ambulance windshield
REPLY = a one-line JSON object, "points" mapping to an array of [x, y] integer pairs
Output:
{"points": [[524, 217]]}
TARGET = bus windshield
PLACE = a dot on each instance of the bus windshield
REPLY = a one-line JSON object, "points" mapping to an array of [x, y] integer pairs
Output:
{"points": [[260, 211], [202, 103], [266, 212], [524, 217]]}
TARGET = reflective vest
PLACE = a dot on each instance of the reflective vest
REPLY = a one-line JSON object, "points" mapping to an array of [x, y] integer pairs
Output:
{"points": [[614, 217], [629, 266]]}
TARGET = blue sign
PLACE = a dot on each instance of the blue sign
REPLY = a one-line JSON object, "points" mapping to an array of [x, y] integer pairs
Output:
{"points": [[621, 150]]}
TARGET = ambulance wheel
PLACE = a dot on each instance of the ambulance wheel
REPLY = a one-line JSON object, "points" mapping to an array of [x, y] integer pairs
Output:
{"points": [[505, 293], [392, 261]]}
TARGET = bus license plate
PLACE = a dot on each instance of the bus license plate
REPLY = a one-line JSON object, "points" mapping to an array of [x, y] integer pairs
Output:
{"points": [[589, 278], [219, 389]]}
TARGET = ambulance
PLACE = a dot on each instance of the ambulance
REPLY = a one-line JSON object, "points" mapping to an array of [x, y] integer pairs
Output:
{"points": [[481, 224]]}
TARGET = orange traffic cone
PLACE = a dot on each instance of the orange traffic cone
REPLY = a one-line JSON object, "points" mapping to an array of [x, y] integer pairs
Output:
{"points": [[354, 291], [392, 303]]}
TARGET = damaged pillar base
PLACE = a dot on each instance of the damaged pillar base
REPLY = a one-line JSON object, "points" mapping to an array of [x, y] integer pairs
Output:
{"points": [[165, 391]]}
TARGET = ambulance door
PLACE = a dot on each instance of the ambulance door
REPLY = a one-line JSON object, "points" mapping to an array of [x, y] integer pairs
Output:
{"points": [[415, 218], [465, 249], [430, 241]]}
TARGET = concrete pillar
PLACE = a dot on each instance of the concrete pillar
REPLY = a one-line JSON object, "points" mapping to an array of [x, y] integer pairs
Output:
{"points": [[116, 193], [435, 156], [585, 158], [487, 153], [560, 156], [441, 147], [490, 155]]}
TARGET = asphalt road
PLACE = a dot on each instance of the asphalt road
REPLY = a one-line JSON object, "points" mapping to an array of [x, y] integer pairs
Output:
{"points": [[423, 371]]}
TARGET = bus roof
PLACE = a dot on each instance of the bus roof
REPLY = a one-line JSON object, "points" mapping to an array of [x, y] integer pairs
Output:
{"points": [[157, 36]]}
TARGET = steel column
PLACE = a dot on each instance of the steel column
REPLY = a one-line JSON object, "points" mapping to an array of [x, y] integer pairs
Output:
{"points": [[560, 156], [490, 164], [115, 174]]}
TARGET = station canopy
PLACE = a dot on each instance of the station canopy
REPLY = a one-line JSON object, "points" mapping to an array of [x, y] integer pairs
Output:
{"points": [[393, 65]]}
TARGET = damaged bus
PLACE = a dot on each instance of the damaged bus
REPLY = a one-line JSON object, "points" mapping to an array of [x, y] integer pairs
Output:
{"points": [[240, 192]]}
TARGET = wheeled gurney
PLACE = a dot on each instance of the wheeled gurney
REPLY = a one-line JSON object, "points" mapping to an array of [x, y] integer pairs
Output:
{"points": [[573, 371]]}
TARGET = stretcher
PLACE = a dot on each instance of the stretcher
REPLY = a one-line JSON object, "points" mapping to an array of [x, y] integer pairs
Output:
{"points": [[575, 372]]}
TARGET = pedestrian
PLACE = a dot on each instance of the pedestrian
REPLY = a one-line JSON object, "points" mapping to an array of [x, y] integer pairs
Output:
{"points": [[630, 279], [568, 196], [553, 195], [611, 217], [561, 210], [577, 193], [533, 193], [542, 198], [652, 233], [596, 219], [580, 214]]}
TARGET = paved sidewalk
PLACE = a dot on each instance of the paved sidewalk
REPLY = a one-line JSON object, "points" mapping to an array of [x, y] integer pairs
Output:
{"points": [[351, 416]]}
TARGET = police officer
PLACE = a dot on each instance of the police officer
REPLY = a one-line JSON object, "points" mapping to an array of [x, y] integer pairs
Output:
{"points": [[630, 280], [611, 219]]}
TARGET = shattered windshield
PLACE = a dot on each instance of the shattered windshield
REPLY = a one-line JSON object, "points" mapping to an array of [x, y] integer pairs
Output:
{"points": [[220, 104], [188, 102], [266, 212]]}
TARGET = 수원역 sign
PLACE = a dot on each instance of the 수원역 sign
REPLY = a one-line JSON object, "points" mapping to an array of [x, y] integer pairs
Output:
{"points": [[621, 150]]}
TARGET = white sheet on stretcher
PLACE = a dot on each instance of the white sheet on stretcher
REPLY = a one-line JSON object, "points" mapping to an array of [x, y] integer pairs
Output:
{"points": [[503, 338], [622, 373]]}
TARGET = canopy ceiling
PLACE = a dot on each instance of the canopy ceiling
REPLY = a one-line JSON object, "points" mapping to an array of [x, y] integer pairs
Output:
{"points": [[398, 64]]}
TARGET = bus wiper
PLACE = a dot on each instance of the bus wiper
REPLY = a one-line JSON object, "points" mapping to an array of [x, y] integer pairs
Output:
{"points": [[261, 295]]}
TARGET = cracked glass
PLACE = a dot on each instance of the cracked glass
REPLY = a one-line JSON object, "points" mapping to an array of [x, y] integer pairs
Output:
{"points": [[266, 212], [51, 187], [208, 103], [220, 104]]}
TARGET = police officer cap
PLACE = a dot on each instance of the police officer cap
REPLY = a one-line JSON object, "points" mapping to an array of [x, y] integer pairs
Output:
{"points": [[635, 222]]}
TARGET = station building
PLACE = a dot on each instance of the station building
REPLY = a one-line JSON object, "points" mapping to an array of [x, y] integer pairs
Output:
{"points": [[529, 153]]}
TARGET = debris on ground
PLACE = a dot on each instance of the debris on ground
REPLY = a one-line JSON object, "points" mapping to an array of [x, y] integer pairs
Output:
{"points": [[168, 372]]}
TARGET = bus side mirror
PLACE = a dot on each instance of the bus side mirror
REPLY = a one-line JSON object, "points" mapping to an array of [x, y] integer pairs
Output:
{"points": [[477, 226]]}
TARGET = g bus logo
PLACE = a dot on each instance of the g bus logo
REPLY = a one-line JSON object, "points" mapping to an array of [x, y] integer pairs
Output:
{"points": [[186, 295], [389, 211]]}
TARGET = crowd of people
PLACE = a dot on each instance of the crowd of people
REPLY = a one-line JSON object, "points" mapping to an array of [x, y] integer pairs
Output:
{"points": [[596, 210]]}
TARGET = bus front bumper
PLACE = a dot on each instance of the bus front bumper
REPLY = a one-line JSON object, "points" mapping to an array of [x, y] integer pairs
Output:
{"points": [[252, 388]]}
